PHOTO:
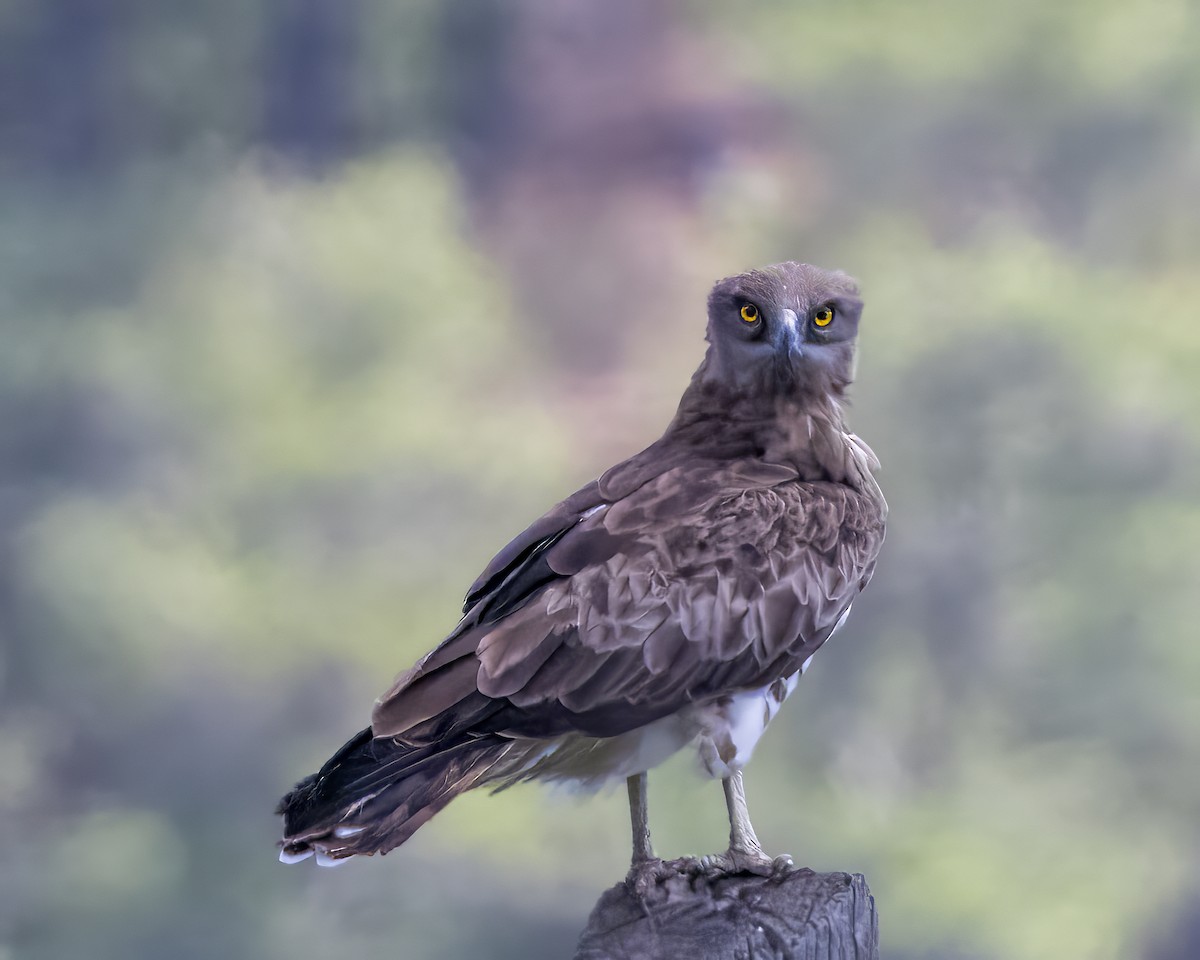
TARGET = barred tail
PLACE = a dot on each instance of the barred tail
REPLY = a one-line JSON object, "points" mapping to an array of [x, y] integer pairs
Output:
{"points": [[374, 794]]}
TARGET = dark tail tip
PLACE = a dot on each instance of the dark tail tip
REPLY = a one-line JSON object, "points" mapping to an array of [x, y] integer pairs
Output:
{"points": [[373, 794]]}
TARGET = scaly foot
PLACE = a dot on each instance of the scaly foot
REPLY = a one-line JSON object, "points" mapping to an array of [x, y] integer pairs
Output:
{"points": [[740, 861], [645, 875]]}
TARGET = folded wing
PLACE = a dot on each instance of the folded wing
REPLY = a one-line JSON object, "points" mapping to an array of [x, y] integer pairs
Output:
{"points": [[608, 614]]}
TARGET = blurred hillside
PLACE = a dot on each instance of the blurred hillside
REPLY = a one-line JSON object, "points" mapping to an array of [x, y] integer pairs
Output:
{"points": [[309, 305]]}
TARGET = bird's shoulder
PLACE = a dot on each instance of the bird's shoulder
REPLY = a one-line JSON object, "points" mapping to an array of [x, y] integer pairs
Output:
{"points": [[662, 480]]}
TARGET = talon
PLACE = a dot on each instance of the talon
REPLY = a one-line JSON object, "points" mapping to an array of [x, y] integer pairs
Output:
{"points": [[645, 875], [693, 866], [782, 865]]}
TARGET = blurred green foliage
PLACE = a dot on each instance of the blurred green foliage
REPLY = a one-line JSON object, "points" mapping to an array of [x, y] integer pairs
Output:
{"points": [[273, 393]]}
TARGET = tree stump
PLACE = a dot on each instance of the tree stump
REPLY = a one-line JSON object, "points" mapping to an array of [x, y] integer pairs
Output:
{"points": [[802, 916]]}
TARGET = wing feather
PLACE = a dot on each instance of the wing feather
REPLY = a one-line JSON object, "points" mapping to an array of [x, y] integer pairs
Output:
{"points": [[726, 615], [702, 580]]}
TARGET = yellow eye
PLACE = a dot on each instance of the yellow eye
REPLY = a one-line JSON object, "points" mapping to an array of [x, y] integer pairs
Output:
{"points": [[749, 313], [823, 317]]}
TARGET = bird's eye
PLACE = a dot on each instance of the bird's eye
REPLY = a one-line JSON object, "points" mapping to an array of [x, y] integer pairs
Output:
{"points": [[823, 317], [750, 313]]}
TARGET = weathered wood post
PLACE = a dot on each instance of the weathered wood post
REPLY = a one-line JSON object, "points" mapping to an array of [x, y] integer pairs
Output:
{"points": [[802, 916]]}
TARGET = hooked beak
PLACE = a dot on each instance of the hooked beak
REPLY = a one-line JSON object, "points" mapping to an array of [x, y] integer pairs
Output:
{"points": [[789, 339]]}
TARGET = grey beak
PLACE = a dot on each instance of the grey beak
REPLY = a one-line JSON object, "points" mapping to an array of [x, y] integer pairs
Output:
{"points": [[789, 338]]}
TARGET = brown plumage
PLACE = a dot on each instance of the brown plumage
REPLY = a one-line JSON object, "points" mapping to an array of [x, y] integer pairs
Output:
{"points": [[674, 600]]}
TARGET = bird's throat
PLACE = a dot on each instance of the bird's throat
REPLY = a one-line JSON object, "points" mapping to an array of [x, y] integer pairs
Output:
{"points": [[812, 438], [803, 430]]}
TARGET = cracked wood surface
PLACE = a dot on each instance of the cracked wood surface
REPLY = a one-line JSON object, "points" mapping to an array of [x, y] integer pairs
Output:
{"points": [[803, 916]]}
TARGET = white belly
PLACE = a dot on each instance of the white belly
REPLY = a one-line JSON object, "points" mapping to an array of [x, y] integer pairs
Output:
{"points": [[731, 726]]}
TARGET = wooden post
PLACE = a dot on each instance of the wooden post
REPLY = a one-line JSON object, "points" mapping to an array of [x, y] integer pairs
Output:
{"points": [[803, 916]]}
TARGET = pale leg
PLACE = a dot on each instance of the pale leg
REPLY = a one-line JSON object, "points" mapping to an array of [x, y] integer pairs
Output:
{"points": [[745, 854], [646, 870], [742, 837], [639, 818]]}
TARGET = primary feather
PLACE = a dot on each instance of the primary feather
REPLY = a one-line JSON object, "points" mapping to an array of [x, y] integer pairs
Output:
{"points": [[674, 600]]}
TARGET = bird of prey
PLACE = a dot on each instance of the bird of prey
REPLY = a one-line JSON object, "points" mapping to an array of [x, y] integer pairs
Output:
{"points": [[674, 601]]}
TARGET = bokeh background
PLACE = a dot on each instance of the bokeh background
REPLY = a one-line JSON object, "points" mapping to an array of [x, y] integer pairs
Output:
{"points": [[307, 306]]}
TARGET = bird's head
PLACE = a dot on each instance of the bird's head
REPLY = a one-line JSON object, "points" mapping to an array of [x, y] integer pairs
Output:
{"points": [[785, 329]]}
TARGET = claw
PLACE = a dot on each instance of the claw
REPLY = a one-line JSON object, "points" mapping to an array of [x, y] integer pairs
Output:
{"points": [[732, 861], [781, 866], [645, 875]]}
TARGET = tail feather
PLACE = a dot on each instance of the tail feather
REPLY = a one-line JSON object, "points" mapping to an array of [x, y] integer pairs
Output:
{"points": [[374, 794]]}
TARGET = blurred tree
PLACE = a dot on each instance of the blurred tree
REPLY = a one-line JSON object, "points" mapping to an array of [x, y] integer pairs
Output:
{"points": [[309, 78]]}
